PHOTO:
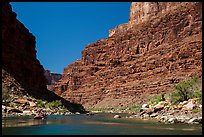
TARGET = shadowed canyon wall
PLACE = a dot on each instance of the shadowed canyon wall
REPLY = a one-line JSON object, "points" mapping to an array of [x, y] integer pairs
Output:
{"points": [[22, 73], [159, 46], [18, 51]]}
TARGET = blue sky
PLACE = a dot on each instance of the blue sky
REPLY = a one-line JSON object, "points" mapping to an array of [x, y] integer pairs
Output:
{"points": [[63, 29]]}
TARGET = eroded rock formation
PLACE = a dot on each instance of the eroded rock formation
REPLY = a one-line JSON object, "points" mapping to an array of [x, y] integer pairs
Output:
{"points": [[52, 77], [159, 46]]}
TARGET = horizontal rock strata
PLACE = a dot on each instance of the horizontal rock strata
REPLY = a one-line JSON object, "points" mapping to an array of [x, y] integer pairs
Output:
{"points": [[159, 46]]}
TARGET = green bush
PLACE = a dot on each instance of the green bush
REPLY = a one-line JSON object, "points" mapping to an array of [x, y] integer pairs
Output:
{"points": [[135, 108], [175, 97], [52, 105], [196, 109], [185, 90], [156, 99], [55, 104], [41, 103], [198, 94]]}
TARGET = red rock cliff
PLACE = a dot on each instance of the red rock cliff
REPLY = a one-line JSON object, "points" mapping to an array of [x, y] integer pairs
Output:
{"points": [[18, 51], [159, 46]]}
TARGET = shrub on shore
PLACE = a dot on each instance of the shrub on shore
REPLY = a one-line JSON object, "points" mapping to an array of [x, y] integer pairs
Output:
{"points": [[186, 89], [52, 105]]}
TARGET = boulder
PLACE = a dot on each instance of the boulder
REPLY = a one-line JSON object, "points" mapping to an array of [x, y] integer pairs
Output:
{"points": [[21, 101], [189, 106], [117, 116], [158, 107], [27, 112], [154, 115], [172, 120], [15, 110], [145, 106], [195, 120], [32, 104], [89, 114], [163, 118], [148, 111]]}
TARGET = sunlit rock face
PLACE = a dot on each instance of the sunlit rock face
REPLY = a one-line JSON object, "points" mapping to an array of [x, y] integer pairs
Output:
{"points": [[160, 46], [143, 11]]}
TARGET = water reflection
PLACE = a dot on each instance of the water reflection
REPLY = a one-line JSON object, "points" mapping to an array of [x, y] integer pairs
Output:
{"points": [[20, 123], [96, 124]]}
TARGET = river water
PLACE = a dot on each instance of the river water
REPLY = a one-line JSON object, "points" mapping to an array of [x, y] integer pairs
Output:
{"points": [[98, 124]]}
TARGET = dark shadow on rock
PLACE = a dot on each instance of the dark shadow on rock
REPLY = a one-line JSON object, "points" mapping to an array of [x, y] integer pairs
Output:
{"points": [[51, 96], [47, 95]]}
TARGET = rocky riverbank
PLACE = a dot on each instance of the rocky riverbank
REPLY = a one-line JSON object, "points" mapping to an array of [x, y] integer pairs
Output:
{"points": [[28, 106], [187, 112]]}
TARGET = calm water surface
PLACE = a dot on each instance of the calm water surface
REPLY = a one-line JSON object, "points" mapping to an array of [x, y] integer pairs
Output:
{"points": [[98, 124]]}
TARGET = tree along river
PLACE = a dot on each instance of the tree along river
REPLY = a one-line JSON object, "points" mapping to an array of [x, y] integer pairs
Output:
{"points": [[97, 124]]}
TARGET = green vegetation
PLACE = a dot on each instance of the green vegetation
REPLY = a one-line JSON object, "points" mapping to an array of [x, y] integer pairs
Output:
{"points": [[196, 109], [41, 103], [5, 95], [185, 90], [198, 94], [55, 104], [52, 105], [156, 99], [134, 108]]}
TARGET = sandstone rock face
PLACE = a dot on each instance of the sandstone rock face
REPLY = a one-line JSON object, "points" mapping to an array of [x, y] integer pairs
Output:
{"points": [[52, 77], [161, 46], [143, 11], [18, 51]]}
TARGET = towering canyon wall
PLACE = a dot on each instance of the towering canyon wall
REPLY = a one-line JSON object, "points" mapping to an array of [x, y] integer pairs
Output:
{"points": [[18, 51], [159, 46]]}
